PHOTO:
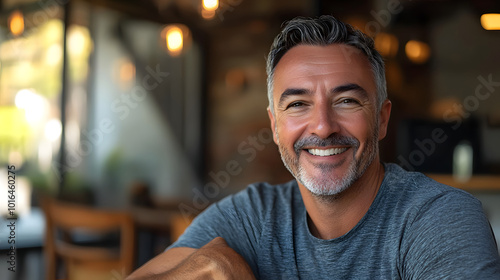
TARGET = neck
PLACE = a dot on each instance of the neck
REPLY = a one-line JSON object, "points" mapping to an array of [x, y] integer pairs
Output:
{"points": [[332, 217]]}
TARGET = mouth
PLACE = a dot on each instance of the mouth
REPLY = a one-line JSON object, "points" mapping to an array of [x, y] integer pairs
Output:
{"points": [[326, 152]]}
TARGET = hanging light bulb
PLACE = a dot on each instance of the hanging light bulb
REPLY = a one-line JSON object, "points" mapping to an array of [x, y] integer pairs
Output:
{"points": [[417, 51], [16, 23], [208, 8], [210, 5], [176, 38]]}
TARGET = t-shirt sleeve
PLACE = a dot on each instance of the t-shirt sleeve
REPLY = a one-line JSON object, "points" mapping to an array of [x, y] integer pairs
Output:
{"points": [[236, 218], [450, 238]]}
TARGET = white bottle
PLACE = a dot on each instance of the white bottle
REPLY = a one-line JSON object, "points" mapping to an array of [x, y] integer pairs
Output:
{"points": [[462, 161]]}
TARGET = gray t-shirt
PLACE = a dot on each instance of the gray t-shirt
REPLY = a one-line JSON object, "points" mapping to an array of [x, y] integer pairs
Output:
{"points": [[415, 228]]}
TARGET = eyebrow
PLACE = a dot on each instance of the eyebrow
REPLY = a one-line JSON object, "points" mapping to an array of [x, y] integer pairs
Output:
{"points": [[291, 92], [349, 87], [339, 89]]}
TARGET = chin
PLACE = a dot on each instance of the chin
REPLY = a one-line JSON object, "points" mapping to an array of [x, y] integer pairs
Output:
{"points": [[327, 184]]}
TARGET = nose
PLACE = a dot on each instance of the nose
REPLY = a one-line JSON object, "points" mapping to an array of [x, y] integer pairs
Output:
{"points": [[323, 122]]}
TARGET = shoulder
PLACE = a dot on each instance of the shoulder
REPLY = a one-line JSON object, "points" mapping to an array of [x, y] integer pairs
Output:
{"points": [[417, 200], [429, 207], [445, 231], [419, 189]]}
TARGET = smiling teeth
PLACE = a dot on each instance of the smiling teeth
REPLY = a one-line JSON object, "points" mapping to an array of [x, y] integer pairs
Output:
{"points": [[327, 152]]}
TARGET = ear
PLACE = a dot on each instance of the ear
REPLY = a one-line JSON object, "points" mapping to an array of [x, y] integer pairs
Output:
{"points": [[385, 114], [273, 124]]}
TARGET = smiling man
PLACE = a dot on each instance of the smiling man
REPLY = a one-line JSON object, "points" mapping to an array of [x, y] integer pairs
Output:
{"points": [[327, 120], [347, 215]]}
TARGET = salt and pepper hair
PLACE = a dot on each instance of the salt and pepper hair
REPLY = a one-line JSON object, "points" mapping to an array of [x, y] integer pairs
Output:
{"points": [[323, 31]]}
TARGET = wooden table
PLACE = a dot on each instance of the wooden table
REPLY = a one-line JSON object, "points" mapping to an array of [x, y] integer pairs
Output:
{"points": [[475, 183]]}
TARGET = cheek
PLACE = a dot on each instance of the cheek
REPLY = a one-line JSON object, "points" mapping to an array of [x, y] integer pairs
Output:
{"points": [[360, 127], [290, 130]]}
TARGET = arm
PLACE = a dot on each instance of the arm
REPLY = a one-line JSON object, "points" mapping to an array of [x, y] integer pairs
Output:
{"points": [[215, 260], [233, 220]]}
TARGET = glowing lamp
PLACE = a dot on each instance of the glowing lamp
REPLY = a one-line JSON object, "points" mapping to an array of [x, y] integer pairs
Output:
{"points": [[386, 44], [16, 23], [176, 37], [210, 5], [490, 21], [417, 51]]}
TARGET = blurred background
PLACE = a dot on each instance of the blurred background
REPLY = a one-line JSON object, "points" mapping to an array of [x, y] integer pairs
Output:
{"points": [[157, 108]]}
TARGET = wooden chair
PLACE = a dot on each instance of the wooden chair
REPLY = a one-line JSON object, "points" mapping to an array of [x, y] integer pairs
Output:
{"points": [[83, 261]]}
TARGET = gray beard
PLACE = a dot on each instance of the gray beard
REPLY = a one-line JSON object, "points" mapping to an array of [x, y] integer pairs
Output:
{"points": [[328, 186]]}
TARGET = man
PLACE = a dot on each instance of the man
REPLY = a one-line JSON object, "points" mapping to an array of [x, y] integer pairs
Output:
{"points": [[347, 215]]}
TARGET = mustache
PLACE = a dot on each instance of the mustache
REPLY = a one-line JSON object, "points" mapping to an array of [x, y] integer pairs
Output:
{"points": [[332, 140]]}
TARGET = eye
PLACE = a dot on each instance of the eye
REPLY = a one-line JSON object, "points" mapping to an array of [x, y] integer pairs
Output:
{"points": [[350, 101], [295, 104]]}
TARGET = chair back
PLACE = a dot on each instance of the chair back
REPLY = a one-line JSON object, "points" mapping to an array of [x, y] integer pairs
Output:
{"points": [[83, 259]]}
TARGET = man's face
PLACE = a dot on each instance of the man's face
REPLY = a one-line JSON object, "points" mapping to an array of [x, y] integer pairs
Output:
{"points": [[326, 123]]}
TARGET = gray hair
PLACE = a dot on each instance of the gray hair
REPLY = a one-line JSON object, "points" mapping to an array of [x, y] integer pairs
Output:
{"points": [[323, 31]]}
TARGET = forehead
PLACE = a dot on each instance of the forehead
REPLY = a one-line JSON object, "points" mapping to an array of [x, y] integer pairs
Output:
{"points": [[306, 66]]}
